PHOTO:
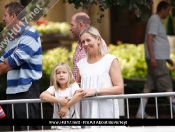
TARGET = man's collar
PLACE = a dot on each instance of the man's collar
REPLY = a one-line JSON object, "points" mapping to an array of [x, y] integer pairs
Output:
{"points": [[22, 29], [80, 44]]}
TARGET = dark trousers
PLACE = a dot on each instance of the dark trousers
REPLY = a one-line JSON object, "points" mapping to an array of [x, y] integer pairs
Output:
{"points": [[20, 109]]}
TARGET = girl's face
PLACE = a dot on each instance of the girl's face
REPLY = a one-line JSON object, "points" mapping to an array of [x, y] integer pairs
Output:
{"points": [[62, 76], [90, 44]]}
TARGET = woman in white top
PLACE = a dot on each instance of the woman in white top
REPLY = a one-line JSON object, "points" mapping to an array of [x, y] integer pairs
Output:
{"points": [[62, 86], [99, 74]]}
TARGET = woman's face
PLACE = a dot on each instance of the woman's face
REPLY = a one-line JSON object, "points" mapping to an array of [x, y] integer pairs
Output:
{"points": [[90, 44]]}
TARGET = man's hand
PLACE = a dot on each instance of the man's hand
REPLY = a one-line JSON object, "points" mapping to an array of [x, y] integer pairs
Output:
{"points": [[173, 67], [4, 66], [154, 63]]}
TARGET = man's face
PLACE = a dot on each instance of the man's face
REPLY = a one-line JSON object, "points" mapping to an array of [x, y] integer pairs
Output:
{"points": [[7, 19], [75, 29], [166, 12]]}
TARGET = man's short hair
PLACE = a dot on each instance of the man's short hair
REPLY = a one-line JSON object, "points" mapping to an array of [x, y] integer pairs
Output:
{"points": [[162, 5], [84, 19], [17, 8]]}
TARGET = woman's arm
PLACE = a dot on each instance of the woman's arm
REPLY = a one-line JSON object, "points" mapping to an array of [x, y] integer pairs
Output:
{"points": [[117, 80], [47, 96], [78, 79]]}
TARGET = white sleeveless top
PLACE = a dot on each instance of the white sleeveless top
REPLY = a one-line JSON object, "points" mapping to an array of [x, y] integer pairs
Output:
{"points": [[96, 76], [73, 112]]}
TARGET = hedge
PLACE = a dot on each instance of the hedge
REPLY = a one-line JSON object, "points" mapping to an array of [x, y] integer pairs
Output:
{"points": [[130, 56]]}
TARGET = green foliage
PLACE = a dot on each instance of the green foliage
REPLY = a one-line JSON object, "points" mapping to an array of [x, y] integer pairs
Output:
{"points": [[169, 25], [2, 25], [52, 57], [172, 2], [172, 72], [131, 59], [133, 5], [44, 4], [130, 56], [61, 28]]}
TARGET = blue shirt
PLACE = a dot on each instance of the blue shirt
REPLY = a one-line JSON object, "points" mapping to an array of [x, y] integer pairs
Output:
{"points": [[24, 55]]}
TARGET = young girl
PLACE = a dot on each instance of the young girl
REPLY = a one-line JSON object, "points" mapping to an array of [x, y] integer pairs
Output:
{"points": [[63, 86]]}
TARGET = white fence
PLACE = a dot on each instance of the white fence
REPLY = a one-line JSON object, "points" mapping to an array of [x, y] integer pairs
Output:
{"points": [[125, 97]]}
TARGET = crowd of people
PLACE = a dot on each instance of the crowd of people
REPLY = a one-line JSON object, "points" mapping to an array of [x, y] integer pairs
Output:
{"points": [[95, 71]]}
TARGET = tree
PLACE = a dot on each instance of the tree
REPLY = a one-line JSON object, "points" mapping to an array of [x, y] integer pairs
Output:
{"points": [[169, 25], [172, 2], [134, 5]]}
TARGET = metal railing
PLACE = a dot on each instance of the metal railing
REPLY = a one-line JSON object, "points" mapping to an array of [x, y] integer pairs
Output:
{"points": [[126, 97]]}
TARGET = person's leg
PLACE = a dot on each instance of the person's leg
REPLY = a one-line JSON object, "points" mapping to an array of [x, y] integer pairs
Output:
{"points": [[143, 104], [164, 82], [9, 111], [20, 109], [34, 93], [149, 85], [173, 99]]}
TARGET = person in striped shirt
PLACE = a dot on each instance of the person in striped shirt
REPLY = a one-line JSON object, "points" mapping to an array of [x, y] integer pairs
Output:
{"points": [[22, 61], [80, 21]]}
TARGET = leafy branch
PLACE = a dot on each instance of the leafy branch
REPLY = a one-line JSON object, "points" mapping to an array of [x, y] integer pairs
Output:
{"points": [[172, 2], [133, 5]]}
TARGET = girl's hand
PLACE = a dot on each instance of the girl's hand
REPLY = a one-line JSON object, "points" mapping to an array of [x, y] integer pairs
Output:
{"points": [[89, 92], [51, 103], [62, 112], [79, 94], [63, 101]]}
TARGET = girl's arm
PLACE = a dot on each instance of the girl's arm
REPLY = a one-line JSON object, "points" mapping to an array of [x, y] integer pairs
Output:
{"points": [[48, 97], [78, 95]]}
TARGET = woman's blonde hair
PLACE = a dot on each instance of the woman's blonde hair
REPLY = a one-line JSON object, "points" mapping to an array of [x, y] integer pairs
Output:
{"points": [[53, 81], [94, 33]]}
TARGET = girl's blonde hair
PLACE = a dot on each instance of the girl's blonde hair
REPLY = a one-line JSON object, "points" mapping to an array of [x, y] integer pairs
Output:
{"points": [[94, 33], [53, 81]]}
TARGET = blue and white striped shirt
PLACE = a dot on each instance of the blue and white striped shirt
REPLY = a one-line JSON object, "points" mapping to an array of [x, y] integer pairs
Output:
{"points": [[24, 55]]}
